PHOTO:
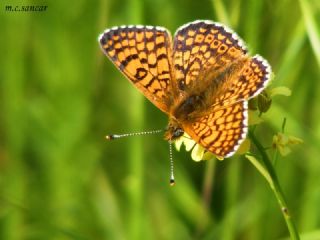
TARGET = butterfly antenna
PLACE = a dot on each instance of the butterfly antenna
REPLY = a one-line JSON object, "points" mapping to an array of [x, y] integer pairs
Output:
{"points": [[116, 136], [172, 181]]}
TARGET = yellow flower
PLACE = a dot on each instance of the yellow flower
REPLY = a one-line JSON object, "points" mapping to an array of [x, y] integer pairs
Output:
{"points": [[199, 153], [283, 143]]}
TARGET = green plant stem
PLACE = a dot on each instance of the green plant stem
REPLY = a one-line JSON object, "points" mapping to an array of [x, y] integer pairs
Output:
{"points": [[207, 188], [275, 186], [208, 183]]}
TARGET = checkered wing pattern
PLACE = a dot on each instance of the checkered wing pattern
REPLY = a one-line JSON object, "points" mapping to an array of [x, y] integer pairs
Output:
{"points": [[203, 82], [222, 130], [248, 83], [143, 54], [202, 45]]}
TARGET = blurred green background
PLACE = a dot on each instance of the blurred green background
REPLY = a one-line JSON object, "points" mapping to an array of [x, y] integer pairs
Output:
{"points": [[59, 97]]}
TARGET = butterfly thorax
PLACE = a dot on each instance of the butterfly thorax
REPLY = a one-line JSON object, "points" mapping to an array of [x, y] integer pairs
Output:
{"points": [[187, 106]]}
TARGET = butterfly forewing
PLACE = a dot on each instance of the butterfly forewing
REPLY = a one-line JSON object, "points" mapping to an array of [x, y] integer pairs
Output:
{"points": [[143, 54], [203, 45]]}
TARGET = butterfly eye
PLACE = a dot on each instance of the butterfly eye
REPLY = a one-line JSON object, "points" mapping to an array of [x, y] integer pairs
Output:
{"points": [[178, 133], [181, 84]]}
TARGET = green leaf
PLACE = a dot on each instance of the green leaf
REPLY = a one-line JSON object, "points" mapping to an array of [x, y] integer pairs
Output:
{"points": [[280, 91]]}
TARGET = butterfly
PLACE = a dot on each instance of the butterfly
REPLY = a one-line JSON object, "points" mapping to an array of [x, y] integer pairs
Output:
{"points": [[202, 78]]}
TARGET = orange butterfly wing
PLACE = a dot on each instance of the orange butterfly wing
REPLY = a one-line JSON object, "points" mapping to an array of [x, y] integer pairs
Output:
{"points": [[142, 54], [222, 130], [202, 48], [248, 82]]}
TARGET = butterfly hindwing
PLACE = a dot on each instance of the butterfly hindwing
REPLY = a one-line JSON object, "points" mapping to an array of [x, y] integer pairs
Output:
{"points": [[248, 82], [222, 130], [143, 54]]}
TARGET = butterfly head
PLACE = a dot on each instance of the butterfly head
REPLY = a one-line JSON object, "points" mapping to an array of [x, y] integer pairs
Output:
{"points": [[173, 130]]}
